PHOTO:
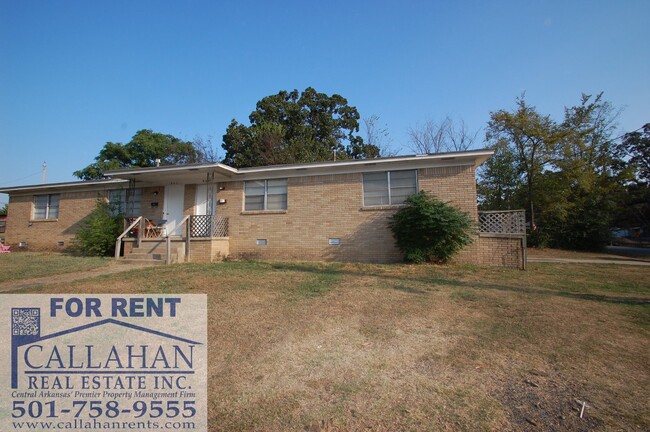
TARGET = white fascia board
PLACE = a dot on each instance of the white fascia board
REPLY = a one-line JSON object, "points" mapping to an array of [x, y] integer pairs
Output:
{"points": [[473, 157], [367, 165], [89, 184], [172, 169]]}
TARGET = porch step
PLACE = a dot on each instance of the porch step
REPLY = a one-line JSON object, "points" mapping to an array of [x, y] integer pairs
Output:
{"points": [[141, 261], [145, 256], [140, 255]]}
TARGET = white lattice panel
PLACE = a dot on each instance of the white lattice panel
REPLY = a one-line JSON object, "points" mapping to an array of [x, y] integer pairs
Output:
{"points": [[503, 222]]}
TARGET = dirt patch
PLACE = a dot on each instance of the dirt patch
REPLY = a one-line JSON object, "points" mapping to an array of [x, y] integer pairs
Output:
{"points": [[543, 401]]}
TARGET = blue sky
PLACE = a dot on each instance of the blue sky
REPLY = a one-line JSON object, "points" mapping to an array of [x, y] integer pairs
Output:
{"points": [[76, 74]]}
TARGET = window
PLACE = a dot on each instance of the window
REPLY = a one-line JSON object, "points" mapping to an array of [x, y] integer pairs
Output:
{"points": [[46, 206], [126, 202], [389, 187], [265, 195]]}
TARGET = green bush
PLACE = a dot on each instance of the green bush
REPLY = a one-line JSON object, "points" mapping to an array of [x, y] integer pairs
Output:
{"points": [[427, 229], [99, 231]]}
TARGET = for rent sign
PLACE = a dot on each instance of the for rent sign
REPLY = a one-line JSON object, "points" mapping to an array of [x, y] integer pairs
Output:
{"points": [[103, 362]]}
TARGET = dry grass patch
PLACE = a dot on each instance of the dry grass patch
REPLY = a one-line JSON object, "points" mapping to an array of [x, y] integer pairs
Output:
{"points": [[605, 255], [316, 346], [26, 265]]}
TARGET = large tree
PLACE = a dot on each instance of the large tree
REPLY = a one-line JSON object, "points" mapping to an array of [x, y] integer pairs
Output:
{"points": [[636, 148], [533, 138], [142, 151], [500, 180], [565, 174], [581, 203], [293, 127]]}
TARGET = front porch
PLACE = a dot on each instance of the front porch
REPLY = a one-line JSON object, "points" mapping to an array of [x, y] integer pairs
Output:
{"points": [[197, 238]]}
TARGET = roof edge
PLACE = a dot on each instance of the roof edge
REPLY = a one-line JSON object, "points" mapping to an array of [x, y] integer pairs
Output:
{"points": [[171, 168], [461, 157], [75, 184], [480, 154]]}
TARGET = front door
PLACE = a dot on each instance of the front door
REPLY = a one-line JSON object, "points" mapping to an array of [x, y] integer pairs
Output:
{"points": [[201, 200], [173, 208]]}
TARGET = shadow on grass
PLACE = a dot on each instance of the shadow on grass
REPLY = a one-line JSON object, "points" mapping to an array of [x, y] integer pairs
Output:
{"points": [[334, 268], [325, 278]]}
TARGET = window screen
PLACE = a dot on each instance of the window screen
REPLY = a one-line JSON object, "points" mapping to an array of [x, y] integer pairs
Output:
{"points": [[265, 195], [402, 184], [388, 187], [46, 206], [375, 189]]}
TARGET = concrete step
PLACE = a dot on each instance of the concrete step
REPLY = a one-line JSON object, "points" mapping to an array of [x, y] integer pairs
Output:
{"points": [[141, 261], [150, 257], [145, 256]]}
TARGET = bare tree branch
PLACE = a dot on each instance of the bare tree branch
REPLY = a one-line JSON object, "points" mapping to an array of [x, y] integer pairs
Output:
{"points": [[434, 137], [429, 137], [459, 137], [378, 135], [207, 151]]}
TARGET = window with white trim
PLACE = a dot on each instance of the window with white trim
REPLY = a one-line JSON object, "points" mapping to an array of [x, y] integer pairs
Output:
{"points": [[46, 206], [265, 195], [388, 187]]}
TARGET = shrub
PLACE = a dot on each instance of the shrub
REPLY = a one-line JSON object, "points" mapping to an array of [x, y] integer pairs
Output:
{"points": [[427, 229], [99, 231]]}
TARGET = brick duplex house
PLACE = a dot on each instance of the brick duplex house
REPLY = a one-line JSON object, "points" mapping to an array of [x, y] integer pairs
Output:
{"points": [[335, 211]]}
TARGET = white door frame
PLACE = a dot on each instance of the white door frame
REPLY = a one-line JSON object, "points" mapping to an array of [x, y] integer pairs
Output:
{"points": [[201, 200], [173, 207]]}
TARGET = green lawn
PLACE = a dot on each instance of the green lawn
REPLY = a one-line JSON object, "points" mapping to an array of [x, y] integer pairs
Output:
{"points": [[321, 346]]}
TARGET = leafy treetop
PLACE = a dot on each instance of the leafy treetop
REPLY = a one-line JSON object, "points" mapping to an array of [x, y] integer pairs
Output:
{"points": [[293, 127], [636, 147], [142, 151]]}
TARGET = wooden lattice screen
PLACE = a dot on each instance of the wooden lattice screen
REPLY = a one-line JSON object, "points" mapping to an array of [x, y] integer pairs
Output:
{"points": [[208, 226], [510, 222]]}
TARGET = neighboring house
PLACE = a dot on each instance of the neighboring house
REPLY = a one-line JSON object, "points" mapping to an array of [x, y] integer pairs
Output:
{"points": [[335, 211]]}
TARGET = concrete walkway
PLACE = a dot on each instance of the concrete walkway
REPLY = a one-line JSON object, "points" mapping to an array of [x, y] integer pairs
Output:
{"points": [[68, 277]]}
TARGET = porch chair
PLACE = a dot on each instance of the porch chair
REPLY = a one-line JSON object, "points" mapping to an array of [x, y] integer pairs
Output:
{"points": [[4, 249], [152, 230]]}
